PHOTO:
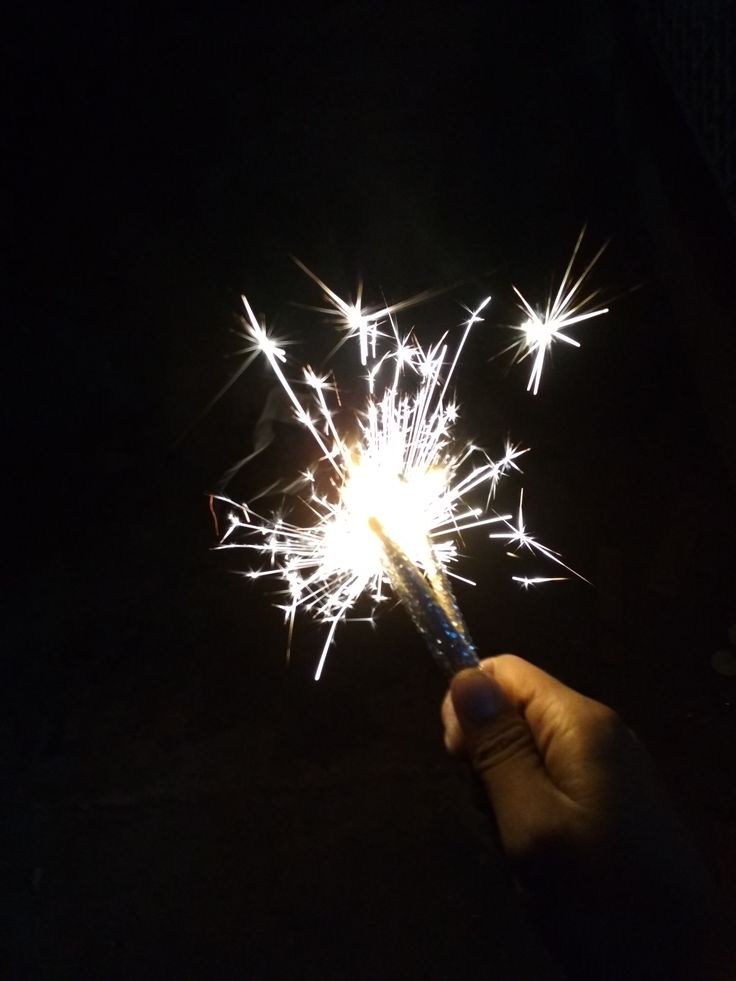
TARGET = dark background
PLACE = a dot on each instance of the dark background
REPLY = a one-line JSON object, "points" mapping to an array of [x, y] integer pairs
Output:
{"points": [[176, 798]]}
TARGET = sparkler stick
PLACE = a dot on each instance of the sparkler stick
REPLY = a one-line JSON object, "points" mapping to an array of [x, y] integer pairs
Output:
{"points": [[432, 606], [389, 497]]}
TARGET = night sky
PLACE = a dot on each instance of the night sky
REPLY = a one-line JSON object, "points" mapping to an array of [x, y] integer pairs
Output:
{"points": [[176, 798]]}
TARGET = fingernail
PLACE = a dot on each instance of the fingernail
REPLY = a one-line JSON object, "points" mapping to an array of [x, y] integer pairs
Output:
{"points": [[476, 697]]}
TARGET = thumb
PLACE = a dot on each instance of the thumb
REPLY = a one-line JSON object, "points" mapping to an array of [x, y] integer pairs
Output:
{"points": [[501, 748]]}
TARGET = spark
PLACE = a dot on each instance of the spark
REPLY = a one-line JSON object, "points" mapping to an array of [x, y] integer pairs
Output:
{"points": [[386, 504], [541, 329], [517, 535], [527, 581], [358, 321]]}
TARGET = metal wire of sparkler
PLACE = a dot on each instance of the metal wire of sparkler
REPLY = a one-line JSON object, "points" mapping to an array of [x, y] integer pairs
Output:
{"points": [[388, 499]]}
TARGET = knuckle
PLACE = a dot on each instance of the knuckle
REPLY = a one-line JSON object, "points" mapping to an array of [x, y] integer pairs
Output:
{"points": [[508, 739]]}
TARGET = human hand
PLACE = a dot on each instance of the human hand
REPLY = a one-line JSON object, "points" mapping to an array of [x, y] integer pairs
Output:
{"points": [[592, 838]]}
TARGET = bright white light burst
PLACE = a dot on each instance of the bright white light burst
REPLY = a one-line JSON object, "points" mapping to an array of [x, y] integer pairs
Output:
{"points": [[397, 463]]}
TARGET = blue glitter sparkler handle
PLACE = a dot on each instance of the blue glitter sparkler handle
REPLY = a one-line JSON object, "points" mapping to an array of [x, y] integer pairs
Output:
{"points": [[432, 606]]}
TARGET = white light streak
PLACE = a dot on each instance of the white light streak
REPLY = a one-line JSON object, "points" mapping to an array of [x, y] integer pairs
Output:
{"points": [[527, 581]]}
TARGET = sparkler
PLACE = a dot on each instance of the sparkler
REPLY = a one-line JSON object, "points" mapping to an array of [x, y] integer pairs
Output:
{"points": [[389, 497]]}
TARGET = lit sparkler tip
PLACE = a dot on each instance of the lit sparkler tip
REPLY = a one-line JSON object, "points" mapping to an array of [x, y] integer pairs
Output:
{"points": [[375, 526]]}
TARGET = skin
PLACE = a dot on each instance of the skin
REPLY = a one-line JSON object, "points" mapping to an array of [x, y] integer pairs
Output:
{"points": [[606, 869]]}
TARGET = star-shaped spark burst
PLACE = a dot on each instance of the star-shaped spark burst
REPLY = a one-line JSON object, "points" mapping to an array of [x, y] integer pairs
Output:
{"points": [[541, 329], [356, 320], [518, 536]]}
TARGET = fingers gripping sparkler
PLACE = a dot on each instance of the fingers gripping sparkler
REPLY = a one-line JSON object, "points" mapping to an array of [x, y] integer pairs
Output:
{"points": [[388, 500]]}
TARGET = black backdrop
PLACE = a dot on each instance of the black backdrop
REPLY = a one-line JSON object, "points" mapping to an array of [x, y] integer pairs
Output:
{"points": [[177, 798]]}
